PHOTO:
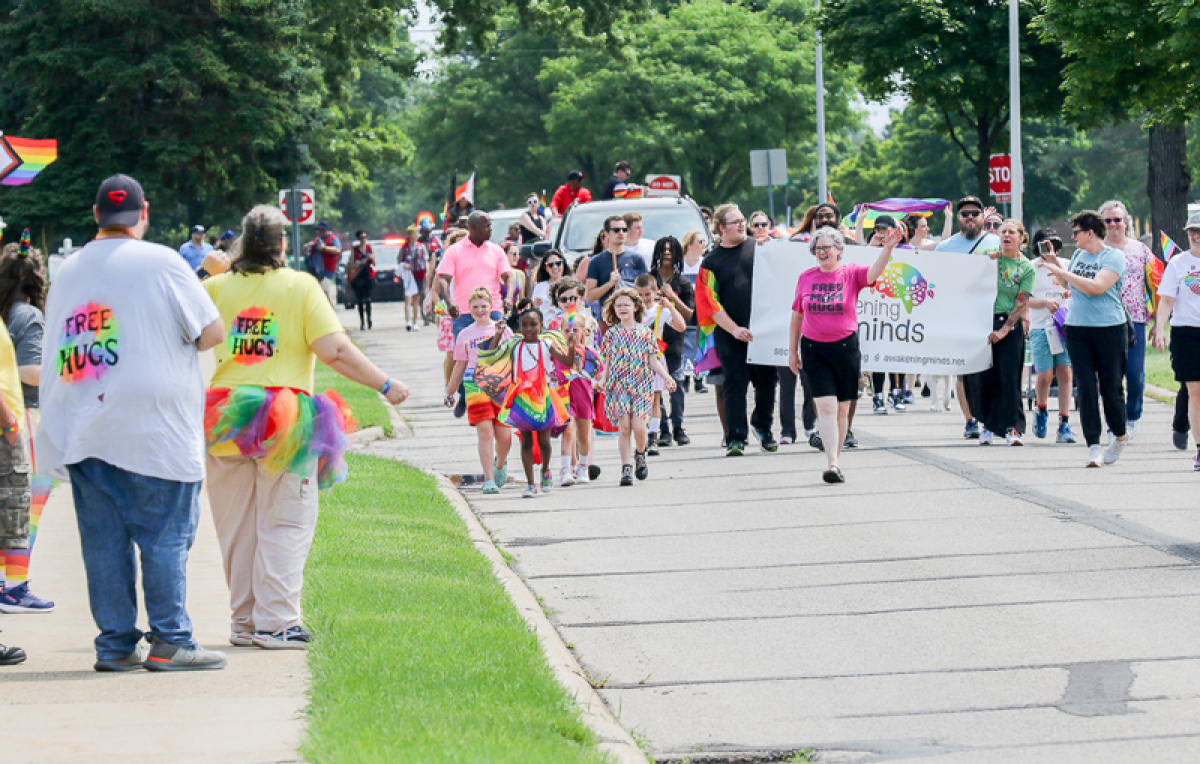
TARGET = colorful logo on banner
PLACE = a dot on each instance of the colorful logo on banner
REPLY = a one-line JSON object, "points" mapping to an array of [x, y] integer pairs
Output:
{"points": [[88, 344], [904, 283], [255, 336], [1192, 282]]}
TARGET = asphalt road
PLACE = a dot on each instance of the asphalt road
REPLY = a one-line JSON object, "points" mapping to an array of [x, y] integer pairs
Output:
{"points": [[950, 602]]}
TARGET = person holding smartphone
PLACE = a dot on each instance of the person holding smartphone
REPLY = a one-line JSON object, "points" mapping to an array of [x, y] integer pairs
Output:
{"points": [[1046, 341]]}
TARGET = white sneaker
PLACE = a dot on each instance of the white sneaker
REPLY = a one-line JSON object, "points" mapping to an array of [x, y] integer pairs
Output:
{"points": [[416, 327], [1113, 452], [1095, 455], [1013, 438], [581, 474], [985, 436], [1130, 431], [566, 477]]}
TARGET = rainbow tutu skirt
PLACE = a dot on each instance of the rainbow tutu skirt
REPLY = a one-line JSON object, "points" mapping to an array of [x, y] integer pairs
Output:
{"points": [[285, 428]]}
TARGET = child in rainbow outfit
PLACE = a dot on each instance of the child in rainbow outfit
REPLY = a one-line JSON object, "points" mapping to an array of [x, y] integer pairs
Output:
{"points": [[659, 314], [516, 374], [495, 438], [571, 318], [630, 364]]}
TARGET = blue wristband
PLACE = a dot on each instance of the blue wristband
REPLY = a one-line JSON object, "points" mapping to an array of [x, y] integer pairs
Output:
{"points": [[386, 386]]}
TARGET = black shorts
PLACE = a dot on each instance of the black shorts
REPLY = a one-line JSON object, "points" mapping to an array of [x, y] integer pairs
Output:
{"points": [[1185, 353], [832, 367]]}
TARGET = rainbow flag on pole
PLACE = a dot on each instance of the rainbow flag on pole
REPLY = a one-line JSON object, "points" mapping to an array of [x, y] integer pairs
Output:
{"points": [[707, 305], [1169, 248], [22, 159]]}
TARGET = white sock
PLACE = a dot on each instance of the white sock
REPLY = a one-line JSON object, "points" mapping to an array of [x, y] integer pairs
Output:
{"points": [[583, 460], [654, 423], [566, 462]]}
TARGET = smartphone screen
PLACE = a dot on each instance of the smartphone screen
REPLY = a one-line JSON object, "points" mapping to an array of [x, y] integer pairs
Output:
{"points": [[1046, 247]]}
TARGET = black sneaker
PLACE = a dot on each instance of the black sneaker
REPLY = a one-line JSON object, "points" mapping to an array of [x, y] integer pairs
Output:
{"points": [[640, 471], [925, 393], [651, 445], [626, 474], [735, 448], [833, 475], [766, 440], [1179, 439], [664, 440], [877, 405], [815, 441], [11, 656], [681, 438], [971, 431], [700, 386], [851, 441], [593, 472]]}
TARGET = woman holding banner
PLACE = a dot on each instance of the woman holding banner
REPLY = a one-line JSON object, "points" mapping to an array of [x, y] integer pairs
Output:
{"points": [[824, 334], [994, 394]]}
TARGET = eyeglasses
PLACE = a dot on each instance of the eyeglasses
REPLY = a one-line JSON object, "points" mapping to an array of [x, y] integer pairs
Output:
{"points": [[1193, 232], [969, 213], [822, 250], [1114, 221], [1075, 232], [617, 230], [736, 222], [565, 300], [554, 264], [761, 224]]}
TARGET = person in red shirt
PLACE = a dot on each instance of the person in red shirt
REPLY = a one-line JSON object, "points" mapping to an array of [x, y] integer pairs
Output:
{"points": [[324, 252], [569, 192]]}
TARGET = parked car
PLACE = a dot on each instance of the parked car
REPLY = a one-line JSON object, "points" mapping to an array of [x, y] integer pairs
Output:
{"points": [[662, 216], [388, 285]]}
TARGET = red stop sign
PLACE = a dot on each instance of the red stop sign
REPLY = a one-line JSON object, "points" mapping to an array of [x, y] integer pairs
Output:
{"points": [[1000, 174]]}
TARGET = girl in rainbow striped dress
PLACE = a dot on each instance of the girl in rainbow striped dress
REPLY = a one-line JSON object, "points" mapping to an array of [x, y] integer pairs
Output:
{"points": [[517, 375]]}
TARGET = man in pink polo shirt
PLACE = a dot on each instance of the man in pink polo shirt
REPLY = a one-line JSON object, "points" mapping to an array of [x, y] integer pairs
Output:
{"points": [[474, 262]]}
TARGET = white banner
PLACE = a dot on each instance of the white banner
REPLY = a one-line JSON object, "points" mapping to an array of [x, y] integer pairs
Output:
{"points": [[934, 318]]}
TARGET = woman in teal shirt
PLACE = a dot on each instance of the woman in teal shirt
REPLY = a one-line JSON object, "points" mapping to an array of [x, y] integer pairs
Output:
{"points": [[1096, 335]]}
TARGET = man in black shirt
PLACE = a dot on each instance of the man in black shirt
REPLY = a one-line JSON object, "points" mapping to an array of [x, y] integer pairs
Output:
{"points": [[732, 265], [618, 185]]}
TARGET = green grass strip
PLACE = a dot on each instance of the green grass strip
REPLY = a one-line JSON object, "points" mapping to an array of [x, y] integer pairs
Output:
{"points": [[1158, 370], [420, 656], [368, 409]]}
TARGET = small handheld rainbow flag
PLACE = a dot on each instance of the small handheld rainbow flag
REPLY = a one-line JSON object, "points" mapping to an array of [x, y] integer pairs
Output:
{"points": [[22, 159], [707, 305], [543, 208], [1169, 248], [1154, 274], [24, 246]]}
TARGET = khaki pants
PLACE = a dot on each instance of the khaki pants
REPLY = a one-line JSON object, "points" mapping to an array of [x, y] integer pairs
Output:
{"points": [[265, 525]]}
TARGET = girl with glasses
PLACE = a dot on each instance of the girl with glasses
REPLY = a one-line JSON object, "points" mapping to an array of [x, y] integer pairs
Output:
{"points": [[551, 269]]}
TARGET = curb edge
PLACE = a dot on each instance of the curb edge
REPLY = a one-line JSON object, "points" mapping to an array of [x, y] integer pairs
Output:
{"points": [[613, 738]]}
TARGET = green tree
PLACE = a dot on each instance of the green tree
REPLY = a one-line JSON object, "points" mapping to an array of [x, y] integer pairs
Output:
{"points": [[951, 58], [1138, 68]]}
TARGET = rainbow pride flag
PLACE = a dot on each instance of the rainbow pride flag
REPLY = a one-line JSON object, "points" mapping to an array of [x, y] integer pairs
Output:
{"points": [[894, 206], [1154, 274], [707, 305], [33, 157], [1169, 248]]}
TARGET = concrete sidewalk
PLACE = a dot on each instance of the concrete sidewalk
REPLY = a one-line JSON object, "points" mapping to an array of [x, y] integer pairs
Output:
{"points": [[950, 602], [59, 710]]}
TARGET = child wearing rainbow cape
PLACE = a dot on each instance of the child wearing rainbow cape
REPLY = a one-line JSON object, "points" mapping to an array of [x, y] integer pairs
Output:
{"points": [[516, 374], [271, 441], [571, 318], [495, 438]]}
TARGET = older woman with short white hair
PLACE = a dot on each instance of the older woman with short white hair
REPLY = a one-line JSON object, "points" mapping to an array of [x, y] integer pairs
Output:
{"points": [[824, 334], [1118, 225]]}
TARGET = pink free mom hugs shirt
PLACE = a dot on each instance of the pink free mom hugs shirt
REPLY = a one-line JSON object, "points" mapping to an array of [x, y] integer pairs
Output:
{"points": [[829, 301]]}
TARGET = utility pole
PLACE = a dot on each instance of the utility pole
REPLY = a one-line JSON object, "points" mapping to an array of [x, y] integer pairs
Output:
{"points": [[1014, 108], [822, 170]]}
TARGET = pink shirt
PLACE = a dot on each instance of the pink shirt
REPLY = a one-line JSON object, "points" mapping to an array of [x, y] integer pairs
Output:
{"points": [[470, 267], [465, 347], [829, 301]]}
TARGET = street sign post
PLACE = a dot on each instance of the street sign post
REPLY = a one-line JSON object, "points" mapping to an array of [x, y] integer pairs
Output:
{"points": [[300, 208], [768, 168], [663, 185], [1000, 177]]}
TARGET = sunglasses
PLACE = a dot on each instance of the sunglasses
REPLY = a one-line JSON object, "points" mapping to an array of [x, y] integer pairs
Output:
{"points": [[554, 263], [1075, 232], [969, 213], [617, 230], [567, 300], [762, 224], [995, 225], [1114, 221]]}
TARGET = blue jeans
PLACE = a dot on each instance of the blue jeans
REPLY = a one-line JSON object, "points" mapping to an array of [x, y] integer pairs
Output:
{"points": [[116, 509], [1135, 374]]}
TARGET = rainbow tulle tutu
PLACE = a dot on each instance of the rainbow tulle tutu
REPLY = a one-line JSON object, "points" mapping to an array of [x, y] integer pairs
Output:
{"points": [[288, 430]]}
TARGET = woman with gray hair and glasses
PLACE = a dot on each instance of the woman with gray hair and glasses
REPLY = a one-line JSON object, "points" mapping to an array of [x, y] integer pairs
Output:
{"points": [[824, 334]]}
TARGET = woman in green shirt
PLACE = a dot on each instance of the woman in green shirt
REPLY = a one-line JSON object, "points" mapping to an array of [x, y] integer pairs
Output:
{"points": [[994, 394]]}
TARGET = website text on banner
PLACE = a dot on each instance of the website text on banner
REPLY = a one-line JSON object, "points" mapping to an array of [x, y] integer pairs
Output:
{"points": [[930, 312]]}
